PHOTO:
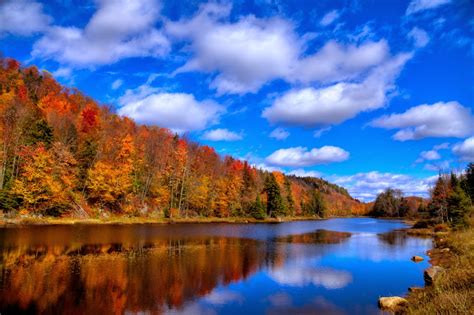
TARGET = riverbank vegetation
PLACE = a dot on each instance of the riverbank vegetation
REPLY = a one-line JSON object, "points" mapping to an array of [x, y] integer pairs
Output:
{"points": [[448, 217], [451, 202], [63, 155], [453, 290]]}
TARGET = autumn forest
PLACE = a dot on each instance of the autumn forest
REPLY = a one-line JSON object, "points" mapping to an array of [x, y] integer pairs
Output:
{"points": [[62, 154]]}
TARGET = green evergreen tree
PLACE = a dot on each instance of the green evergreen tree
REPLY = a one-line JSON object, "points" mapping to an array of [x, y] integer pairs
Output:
{"points": [[468, 182], [289, 198], [39, 131], [316, 206], [258, 209], [458, 206], [274, 200]]}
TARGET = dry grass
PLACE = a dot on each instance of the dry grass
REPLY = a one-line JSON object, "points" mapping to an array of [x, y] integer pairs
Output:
{"points": [[453, 291], [30, 220]]}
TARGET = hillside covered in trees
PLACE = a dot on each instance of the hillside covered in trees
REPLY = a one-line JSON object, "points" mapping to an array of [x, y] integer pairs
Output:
{"points": [[62, 154]]}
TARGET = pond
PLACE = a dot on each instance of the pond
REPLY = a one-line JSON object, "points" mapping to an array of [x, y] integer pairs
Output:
{"points": [[335, 266]]}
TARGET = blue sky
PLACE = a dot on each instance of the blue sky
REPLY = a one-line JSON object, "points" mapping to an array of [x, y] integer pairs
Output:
{"points": [[367, 94]]}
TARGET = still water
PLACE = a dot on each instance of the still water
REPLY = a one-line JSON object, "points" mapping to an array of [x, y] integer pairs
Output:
{"points": [[336, 266]]}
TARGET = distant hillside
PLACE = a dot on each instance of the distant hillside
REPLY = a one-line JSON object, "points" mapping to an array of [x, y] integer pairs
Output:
{"points": [[64, 155]]}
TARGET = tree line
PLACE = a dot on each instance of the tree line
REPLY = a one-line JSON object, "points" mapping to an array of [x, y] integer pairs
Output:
{"points": [[451, 200], [63, 154]]}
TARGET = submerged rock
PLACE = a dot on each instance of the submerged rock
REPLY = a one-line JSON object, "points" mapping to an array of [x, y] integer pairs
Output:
{"points": [[392, 303], [417, 258], [431, 274]]}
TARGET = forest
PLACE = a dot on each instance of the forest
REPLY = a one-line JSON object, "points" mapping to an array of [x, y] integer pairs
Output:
{"points": [[451, 200], [62, 154]]}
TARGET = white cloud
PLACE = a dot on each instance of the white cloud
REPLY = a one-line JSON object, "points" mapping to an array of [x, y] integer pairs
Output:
{"points": [[465, 150], [221, 135], [118, 29], [433, 154], [336, 103], [303, 173], [430, 155], [329, 18], [419, 36], [366, 186], [301, 156], [335, 62], [22, 17], [441, 119], [116, 84], [279, 134], [421, 5], [180, 112], [246, 54]]}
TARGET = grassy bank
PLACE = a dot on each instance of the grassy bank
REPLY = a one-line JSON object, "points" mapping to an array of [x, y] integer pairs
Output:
{"points": [[453, 290], [29, 220]]}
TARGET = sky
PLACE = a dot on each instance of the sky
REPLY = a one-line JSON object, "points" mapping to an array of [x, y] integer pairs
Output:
{"points": [[366, 94]]}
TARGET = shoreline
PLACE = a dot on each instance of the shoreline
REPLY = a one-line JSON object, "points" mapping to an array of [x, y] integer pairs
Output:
{"points": [[44, 221], [451, 290], [120, 220]]}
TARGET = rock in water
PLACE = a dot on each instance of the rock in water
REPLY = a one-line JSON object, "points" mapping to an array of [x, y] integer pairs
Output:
{"points": [[392, 303], [431, 273], [417, 258]]}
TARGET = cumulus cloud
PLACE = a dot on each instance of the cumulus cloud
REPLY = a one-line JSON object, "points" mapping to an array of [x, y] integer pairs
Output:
{"points": [[301, 156], [465, 150], [329, 18], [422, 5], [118, 29], [247, 53], [335, 62], [221, 135], [22, 17], [180, 112], [279, 134], [441, 119], [419, 36], [336, 103], [432, 154], [366, 186]]}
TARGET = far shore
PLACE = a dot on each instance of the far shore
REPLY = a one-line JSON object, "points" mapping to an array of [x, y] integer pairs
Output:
{"points": [[30, 220]]}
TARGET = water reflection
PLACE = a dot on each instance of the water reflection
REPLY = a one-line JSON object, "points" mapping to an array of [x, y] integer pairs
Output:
{"points": [[206, 269]]}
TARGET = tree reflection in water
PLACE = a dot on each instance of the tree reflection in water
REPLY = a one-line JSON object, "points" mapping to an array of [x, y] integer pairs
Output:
{"points": [[148, 275]]}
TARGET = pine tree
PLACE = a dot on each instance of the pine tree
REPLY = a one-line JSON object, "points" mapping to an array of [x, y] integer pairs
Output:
{"points": [[468, 182], [258, 209], [316, 206], [274, 200], [458, 206], [289, 198]]}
